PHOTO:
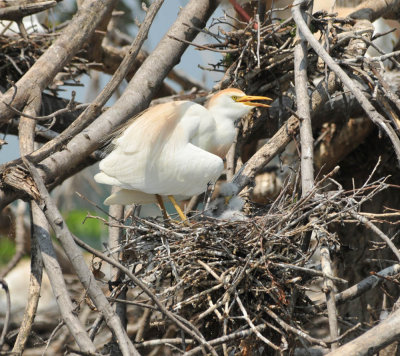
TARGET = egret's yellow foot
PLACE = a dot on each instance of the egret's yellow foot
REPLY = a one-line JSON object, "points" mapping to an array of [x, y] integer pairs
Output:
{"points": [[179, 210]]}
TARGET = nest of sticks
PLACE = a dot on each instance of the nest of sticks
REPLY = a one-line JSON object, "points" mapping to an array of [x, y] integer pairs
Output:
{"points": [[260, 57], [243, 285], [18, 54]]}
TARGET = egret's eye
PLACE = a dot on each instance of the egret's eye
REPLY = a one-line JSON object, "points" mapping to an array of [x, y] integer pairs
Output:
{"points": [[234, 97]]}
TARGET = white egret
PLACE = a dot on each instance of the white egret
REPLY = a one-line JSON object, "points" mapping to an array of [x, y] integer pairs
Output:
{"points": [[173, 149]]}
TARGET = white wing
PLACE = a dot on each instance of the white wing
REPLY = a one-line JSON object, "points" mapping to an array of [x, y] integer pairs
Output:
{"points": [[154, 154]]}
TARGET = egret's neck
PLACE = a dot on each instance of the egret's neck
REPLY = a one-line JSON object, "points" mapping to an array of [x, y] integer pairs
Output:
{"points": [[224, 132]]}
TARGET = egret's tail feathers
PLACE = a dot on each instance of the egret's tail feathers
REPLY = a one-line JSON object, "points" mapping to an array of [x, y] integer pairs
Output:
{"points": [[127, 197], [106, 179]]}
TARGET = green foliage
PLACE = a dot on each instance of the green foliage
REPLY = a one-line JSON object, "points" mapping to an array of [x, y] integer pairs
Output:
{"points": [[89, 230], [227, 60], [7, 250]]}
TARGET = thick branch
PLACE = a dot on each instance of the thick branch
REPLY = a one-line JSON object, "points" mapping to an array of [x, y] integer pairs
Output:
{"points": [[374, 339], [303, 109], [373, 9]]}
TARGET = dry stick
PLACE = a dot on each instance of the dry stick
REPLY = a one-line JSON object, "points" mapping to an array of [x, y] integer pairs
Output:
{"points": [[376, 118], [307, 157], [372, 340], [41, 241], [386, 88], [94, 108], [57, 282], [292, 329], [329, 290], [223, 339], [4, 285], [303, 110], [115, 234], [373, 9], [20, 9], [252, 326], [194, 334], [366, 284], [35, 283], [375, 229], [75, 256], [313, 272], [160, 342], [143, 322]]}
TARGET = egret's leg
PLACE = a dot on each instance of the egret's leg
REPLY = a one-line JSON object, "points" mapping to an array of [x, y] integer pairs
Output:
{"points": [[162, 207], [178, 209]]}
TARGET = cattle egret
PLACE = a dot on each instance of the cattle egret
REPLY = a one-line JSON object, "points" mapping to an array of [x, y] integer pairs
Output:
{"points": [[173, 149]]}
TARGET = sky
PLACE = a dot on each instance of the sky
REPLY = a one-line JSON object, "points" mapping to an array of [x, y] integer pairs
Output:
{"points": [[188, 64]]}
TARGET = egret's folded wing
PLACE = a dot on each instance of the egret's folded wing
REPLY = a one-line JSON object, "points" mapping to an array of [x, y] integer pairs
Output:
{"points": [[149, 131], [187, 171], [148, 146]]}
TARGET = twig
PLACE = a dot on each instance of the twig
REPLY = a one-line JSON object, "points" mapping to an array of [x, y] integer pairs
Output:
{"points": [[253, 327], [26, 132], [309, 271], [57, 282], [51, 116], [115, 235], [233, 50], [329, 289], [366, 284], [288, 327], [375, 229], [236, 335], [4, 286], [374, 339], [159, 342]]}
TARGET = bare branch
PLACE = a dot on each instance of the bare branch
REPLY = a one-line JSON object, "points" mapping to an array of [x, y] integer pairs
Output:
{"points": [[373, 9], [371, 226], [374, 339], [303, 108], [35, 284]]}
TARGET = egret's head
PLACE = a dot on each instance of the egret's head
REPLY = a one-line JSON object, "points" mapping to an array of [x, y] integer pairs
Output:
{"points": [[233, 103]]}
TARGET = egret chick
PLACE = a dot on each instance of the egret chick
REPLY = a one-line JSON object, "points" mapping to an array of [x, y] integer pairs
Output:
{"points": [[173, 149], [227, 205]]}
